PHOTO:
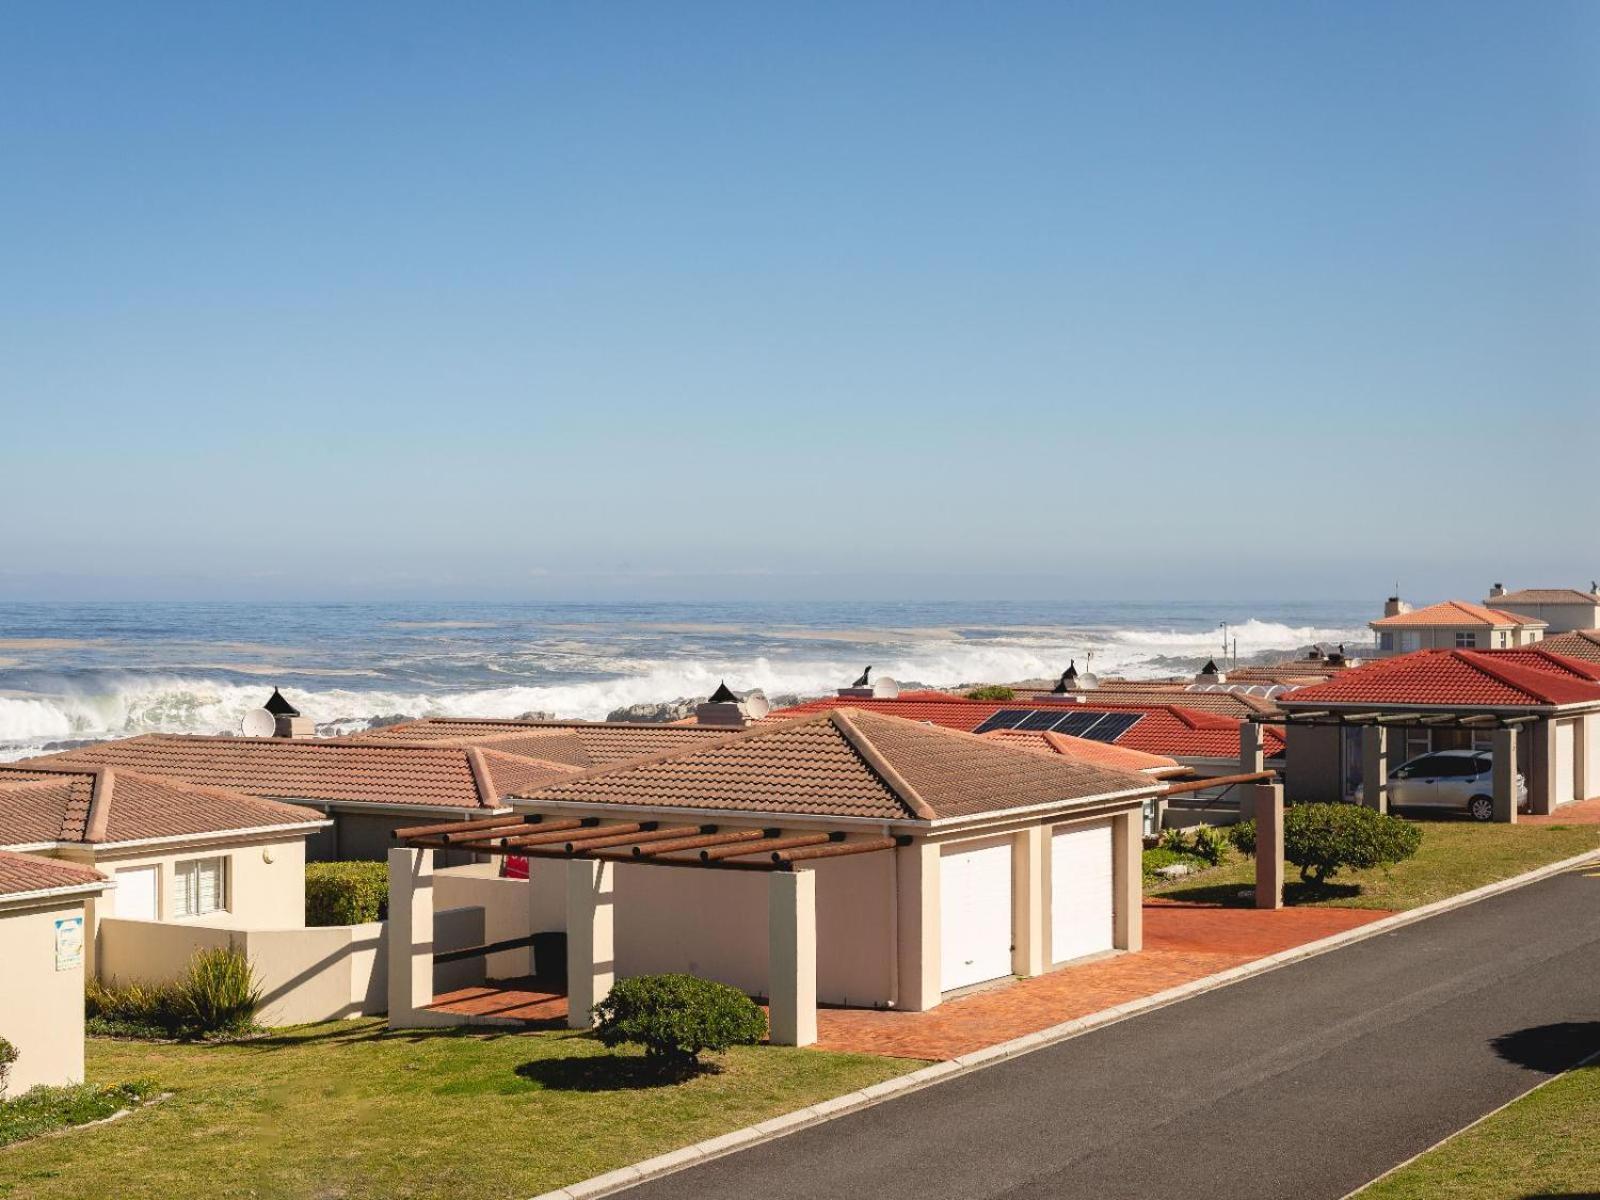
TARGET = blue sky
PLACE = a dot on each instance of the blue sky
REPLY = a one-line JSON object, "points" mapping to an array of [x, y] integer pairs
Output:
{"points": [[837, 300]]}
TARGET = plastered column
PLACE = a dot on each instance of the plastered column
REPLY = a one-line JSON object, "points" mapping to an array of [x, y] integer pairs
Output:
{"points": [[1127, 880], [591, 957], [1542, 771], [1252, 748], [1375, 767], [1505, 776], [792, 957], [410, 932], [1269, 845], [917, 925], [1029, 906]]}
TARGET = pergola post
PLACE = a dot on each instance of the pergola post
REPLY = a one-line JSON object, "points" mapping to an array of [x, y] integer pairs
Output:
{"points": [[1028, 906], [1127, 880], [1505, 775], [1269, 845], [591, 961], [1375, 767], [1252, 760], [410, 932], [917, 966], [792, 957]]}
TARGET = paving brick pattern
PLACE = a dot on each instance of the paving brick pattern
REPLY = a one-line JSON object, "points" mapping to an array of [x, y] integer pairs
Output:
{"points": [[1583, 812], [1183, 942]]}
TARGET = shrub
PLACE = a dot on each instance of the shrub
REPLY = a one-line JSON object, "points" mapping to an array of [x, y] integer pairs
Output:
{"points": [[346, 893], [8, 1057], [991, 691], [1323, 839], [676, 1018], [44, 1109], [218, 995], [1243, 836], [1206, 843]]}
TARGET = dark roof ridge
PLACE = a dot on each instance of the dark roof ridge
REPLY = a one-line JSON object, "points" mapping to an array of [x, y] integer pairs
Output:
{"points": [[843, 719]]}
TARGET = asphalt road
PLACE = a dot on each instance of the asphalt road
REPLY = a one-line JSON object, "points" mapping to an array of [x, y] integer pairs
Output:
{"points": [[1305, 1082]]}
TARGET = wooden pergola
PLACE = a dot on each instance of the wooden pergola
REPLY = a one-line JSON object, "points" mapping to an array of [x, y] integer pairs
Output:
{"points": [[653, 843]]}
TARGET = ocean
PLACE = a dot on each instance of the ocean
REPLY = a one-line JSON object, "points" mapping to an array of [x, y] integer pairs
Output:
{"points": [[71, 671]]}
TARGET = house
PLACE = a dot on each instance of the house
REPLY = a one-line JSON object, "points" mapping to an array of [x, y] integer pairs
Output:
{"points": [[177, 852], [366, 787], [1578, 643], [845, 857], [42, 946], [1451, 625], [1101, 754], [1540, 709], [1561, 609]]}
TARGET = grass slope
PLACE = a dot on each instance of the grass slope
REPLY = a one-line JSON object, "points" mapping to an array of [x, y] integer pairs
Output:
{"points": [[1546, 1144], [1455, 856], [349, 1110]]}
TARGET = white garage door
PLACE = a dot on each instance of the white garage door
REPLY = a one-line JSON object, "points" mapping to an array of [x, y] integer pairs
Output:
{"points": [[1080, 891], [1566, 778], [135, 894], [974, 914]]}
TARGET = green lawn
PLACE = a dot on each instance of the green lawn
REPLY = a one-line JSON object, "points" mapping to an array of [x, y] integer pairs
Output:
{"points": [[1455, 856], [1546, 1144], [350, 1110]]}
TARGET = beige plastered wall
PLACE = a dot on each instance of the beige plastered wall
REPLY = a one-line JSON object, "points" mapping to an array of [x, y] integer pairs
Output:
{"points": [[41, 1008]]}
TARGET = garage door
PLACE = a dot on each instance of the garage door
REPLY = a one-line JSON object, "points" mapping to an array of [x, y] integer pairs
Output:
{"points": [[135, 894], [1591, 756], [1080, 891], [974, 914], [1566, 778]]}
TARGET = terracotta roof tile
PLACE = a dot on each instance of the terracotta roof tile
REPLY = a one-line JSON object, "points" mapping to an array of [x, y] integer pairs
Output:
{"points": [[1548, 596], [846, 762], [1452, 678], [1100, 754], [576, 743], [21, 873], [1579, 643], [1453, 613]]}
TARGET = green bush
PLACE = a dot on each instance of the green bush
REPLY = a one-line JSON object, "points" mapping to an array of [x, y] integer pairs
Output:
{"points": [[45, 1109], [676, 1018], [8, 1057], [991, 691], [1243, 836], [1207, 843], [218, 995], [346, 893], [1160, 856], [1323, 839]]}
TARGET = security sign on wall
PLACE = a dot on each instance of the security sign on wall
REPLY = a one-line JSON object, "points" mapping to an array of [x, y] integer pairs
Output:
{"points": [[69, 943]]}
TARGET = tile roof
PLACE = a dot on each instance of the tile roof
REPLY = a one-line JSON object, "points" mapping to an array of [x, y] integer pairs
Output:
{"points": [[1455, 679], [1220, 702], [1453, 613], [575, 743], [332, 769], [1176, 730], [1578, 643], [105, 805], [846, 762], [1101, 754], [1548, 596], [21, 873]]}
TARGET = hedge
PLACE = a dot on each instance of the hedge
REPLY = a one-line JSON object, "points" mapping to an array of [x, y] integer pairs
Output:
{"points": [[346, 893]]}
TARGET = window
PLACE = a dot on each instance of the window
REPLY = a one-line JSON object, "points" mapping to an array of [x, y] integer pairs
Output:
{"points": [[1410, 640], [1386, 641], [1466, 639], [199, 887], [1418, 741]]}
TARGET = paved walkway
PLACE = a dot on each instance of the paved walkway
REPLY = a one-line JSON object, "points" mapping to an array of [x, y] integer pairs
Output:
{"points": [[1584, 812], [1183, 942]]}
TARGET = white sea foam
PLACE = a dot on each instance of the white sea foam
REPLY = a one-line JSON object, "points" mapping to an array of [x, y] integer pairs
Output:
{"points": [[175, 704]]}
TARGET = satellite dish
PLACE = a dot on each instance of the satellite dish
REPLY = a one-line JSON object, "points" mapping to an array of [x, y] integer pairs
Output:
{"points": [[756, 706], [1088, 682], [884, 688], [258, 722]]}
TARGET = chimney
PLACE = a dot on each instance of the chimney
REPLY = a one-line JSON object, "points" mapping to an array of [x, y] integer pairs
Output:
{"points": [[861, 689], [1210, 674], [1497, 591], [288, 723], [722, 707], [1394, 606], [1068, 681]]}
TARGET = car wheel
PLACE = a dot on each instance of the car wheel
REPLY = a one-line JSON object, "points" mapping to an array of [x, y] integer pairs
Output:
{"points": [[1481, 808]]}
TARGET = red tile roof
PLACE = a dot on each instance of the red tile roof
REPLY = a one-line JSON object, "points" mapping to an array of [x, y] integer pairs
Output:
{"points": [[847, 762], [1101, 754], [1168, 729], [1452, 679], [332, 769], [23, 873], [1454, 613], [1579, 643], [1543, 658], [104, 806]]}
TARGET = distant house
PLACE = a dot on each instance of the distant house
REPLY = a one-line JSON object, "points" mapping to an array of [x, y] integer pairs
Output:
{"points": [[1561, 609], [1451, 625], [1579, 643]]}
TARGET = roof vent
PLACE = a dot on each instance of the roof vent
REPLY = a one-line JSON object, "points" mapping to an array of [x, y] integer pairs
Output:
{"points": [[1068, 681], [1210, 674], [279, 707], [286, 718], [722, 707]]}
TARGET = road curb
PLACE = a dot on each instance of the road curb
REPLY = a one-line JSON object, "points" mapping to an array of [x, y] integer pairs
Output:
{"points": [[827, 1110]]}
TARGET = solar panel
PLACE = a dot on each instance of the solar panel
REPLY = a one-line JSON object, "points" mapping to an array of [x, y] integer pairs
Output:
{"points": [[1037, 722], [1111, 726], [1006, 718], [1096, 726], [1076, 723]]}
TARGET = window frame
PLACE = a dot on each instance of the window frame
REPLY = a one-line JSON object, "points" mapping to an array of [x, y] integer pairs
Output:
{"points": [[182, 892]]}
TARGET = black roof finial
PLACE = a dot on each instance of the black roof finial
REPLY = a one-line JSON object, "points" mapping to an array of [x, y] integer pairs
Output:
{"points": [[1210, 668], [1068, 678], [723, 695], [279, 707], [865, 680]]}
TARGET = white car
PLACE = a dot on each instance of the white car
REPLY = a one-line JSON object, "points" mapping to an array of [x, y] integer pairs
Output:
{"points": [[1460, 780]]}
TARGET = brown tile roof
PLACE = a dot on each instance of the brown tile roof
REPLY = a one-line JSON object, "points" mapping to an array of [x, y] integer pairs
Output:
{"points": [[105, 805], [1230, 704], [1455, 612], [21, 873], [576, 743], [337, 770], [846, 762], [1547, 596], [1579, 643], [1100, 754]]}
